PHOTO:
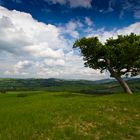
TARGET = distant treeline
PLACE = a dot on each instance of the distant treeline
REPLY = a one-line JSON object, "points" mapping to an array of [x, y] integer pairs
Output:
{"points": [[106, 85]]}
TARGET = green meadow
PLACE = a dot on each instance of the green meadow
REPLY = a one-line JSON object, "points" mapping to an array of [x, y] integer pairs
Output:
{"points": [[43, 115]]}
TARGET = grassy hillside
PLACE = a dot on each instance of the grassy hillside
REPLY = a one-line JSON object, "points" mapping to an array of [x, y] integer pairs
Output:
{"points": [[69, 116]]}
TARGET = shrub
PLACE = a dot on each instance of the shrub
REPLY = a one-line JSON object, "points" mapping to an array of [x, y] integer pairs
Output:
{"points": [[3, 91], [22, 95]]}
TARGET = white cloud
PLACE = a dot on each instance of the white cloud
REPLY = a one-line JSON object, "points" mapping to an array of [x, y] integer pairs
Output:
{"points": [[22, 64], [71, 29], [53, 62], [104, 34], [80, 3], [72, 3], [88, 21], [44, 50], [19, 68], [19, 31], [29, 48], [133, 28]]}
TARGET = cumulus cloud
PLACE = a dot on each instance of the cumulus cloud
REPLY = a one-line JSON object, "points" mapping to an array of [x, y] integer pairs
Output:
{"points": [[19, 68], [135, 28], [20, 33], [52, 62], [29, 48], [71, 29], [104, 34], [22, 64], [72, 3]]}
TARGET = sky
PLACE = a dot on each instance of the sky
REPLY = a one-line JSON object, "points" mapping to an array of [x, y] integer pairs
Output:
{"points": [[36, 36]]}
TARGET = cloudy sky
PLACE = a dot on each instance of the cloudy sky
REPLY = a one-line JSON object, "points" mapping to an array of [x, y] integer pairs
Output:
{"points": [[36, 36]]}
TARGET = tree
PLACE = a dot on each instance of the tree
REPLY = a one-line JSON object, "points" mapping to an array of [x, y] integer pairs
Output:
{"points": [[121, 56]]}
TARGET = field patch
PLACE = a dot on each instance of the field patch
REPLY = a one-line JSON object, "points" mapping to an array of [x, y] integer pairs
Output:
{"points": [[69, 116]]}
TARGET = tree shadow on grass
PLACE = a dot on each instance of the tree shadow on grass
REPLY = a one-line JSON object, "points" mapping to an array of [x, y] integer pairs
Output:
{"points": [[67, 95], [97, 92], [83, 93]]}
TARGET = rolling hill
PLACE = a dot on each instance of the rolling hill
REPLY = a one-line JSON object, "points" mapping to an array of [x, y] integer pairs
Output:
{"points": [[52, 84]]}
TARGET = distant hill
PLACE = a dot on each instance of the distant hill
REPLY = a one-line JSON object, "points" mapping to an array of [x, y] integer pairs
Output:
{"points": [[52, 84]]}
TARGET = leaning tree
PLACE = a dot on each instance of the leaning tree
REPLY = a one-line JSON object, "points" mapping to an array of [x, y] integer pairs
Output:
{"points": [[121, 56]]}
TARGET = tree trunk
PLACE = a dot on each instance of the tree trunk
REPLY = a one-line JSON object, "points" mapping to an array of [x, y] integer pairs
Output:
{"points": [[124, 85]]}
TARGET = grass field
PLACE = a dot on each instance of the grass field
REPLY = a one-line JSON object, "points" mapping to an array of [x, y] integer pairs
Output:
{"points": [[69, 116]]}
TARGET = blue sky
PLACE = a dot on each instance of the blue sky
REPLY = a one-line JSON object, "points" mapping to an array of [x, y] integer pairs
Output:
{"points": [[36, 36], [104, 13]]}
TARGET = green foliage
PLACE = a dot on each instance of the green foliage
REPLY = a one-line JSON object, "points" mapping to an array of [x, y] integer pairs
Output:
{"points": [[69, 116], [92, 51], [119, 56]]}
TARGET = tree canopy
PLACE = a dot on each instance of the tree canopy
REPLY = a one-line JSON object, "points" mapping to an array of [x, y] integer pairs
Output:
{"points": [[120, 56]]}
